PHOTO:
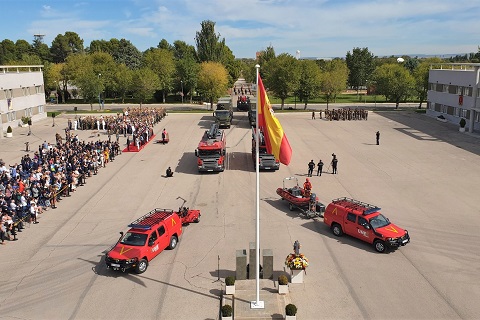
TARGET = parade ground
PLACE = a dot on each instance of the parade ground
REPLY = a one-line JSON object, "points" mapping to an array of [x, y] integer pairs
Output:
{"points": [[424, 176]]}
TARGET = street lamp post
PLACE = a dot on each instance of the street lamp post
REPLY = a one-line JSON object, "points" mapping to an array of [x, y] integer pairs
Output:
{"points": [[181, 83], [99, 93]]}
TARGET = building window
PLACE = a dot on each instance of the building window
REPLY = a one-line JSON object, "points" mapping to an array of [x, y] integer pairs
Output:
{"points": [[38, 89], [445, 88], [439, 87], [467, 91], [450, 110], [11, 116], [8, 93], [444, 108], [431, 86], [438, 107], [460, 90], [457, 112], [452, 89], [40, 109]]}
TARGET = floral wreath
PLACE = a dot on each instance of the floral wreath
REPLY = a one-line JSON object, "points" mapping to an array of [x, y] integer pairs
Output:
{"points": [[296, 261]]}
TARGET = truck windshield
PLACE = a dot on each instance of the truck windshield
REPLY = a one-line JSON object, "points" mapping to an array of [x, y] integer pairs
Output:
{"points": [[134, 239], [379, 221], [224, 114], [209, 153]]}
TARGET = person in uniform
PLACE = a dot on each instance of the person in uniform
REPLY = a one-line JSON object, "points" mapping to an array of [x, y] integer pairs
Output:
{"points": [[319, 168], [334, 163], [311, 166], [378, 137], [169, 172]]}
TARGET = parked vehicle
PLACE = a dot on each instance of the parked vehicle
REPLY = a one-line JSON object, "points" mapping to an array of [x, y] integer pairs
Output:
{"points": [[211, 151], [223, 118], [267, 160], [365, 222], [148, 236], [297, 198]]}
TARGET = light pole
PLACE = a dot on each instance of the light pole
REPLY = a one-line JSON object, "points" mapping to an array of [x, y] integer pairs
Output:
{"points": [[99, 93], [57, 85], [181, 84]]}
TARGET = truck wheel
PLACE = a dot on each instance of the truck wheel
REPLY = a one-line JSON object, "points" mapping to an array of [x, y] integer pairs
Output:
{"points": [[142, 266], [379, 246], [337, 230], [291, 207], [173, 242]]}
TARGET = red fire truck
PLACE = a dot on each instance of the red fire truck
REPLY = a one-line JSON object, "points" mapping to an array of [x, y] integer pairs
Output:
{"points": [[211, 151]]}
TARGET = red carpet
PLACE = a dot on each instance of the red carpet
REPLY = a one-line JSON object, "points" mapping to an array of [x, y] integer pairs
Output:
{"points": [[133, 148]]}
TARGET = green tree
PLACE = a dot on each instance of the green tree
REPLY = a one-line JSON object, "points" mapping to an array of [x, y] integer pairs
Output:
{"points": [[394, 82], [22, 47], [163, 44], [334, 78], [361, 64], [65, 45], [310, 80], [145, 83], [209, 45], [7, 52], [123, 80], [420, 74], [282, 76], [41, 50], [122, 51], [266, 55], [161, 62], [187, 72], [183, 50], [212, 81]]}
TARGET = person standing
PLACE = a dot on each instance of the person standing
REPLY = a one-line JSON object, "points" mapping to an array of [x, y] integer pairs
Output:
{"points": [[311, 166], [319, 168], [313, 115], [378, 137], [307, 187], [334, 163]]}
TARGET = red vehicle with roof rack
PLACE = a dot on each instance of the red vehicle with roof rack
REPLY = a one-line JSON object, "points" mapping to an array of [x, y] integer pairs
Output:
{"points": [[365, 222], [148, 236]]}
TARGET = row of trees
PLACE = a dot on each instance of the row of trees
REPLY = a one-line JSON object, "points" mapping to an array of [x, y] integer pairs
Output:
{"points": [[116, 68]]}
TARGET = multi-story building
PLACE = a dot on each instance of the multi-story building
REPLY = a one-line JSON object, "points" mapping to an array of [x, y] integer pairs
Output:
{"points": [[22, 94], [453, 92]]}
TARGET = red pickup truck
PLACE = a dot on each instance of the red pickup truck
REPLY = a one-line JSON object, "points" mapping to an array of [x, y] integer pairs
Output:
{"points": [[147, 237], [365, 222]]}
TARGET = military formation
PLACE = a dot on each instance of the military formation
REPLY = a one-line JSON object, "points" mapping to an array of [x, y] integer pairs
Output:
{"points": [[343, 114]]}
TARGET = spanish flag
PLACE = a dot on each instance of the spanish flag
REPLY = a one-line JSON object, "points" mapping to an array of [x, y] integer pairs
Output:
{"points": [[275, 139]]}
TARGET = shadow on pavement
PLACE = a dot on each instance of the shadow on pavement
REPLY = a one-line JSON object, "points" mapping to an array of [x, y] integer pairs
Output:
{"points": [[423, 127]]}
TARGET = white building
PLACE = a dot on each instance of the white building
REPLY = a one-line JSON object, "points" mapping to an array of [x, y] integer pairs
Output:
{"points": [[22, 94], [453, 92]]}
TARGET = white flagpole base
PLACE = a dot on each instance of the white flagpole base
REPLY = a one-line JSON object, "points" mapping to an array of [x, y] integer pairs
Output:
{"points": [[257, 305]]}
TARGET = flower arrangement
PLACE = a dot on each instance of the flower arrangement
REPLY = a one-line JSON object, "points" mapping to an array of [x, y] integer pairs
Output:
{"points": [[296, 261]]}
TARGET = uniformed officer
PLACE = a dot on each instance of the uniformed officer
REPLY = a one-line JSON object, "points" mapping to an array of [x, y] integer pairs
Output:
{"points": [[311, 166], [319, 167]]}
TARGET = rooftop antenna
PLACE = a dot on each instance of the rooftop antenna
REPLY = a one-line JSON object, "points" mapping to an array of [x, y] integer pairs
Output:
{"points": [[38, 37]]}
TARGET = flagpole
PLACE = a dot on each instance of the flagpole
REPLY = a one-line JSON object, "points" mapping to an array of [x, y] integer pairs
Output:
{"points": [[257, 304]]}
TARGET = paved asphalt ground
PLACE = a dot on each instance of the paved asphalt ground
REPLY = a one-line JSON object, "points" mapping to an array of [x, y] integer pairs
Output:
{"points": [[424, 176]]}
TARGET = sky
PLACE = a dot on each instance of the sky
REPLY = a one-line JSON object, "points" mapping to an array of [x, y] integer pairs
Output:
{"points": [[307, 28]]}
